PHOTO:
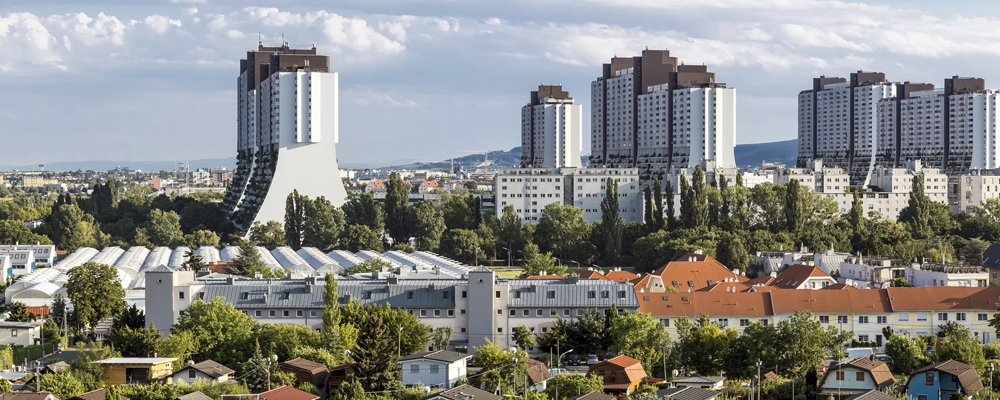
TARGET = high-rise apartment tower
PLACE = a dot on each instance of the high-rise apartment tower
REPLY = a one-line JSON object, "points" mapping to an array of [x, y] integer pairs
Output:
{"points": [[551, 129]]}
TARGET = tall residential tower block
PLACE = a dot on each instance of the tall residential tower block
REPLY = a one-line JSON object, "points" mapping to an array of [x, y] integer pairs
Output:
{"points": [[287, 134], [653, 113], [551, 129]]}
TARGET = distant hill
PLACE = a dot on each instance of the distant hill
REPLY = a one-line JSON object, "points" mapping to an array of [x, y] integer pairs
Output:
{"points": [[132, 165], [497, 159], [748, 155]]}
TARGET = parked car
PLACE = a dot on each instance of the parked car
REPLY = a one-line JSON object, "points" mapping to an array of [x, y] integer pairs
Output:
{"points": [[573, 360], [822, 368], [886, 359], [592, 359], [608, 356], [470, 361]]}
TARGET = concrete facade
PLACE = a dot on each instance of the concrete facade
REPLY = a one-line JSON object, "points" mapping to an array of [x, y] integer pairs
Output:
{"points": [[529, 190], [551, 129]]}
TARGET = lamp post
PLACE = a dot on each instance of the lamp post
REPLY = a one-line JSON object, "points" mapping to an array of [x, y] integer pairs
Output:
{"points": [[508, 256], [990, 368], [273, 358], [758, 378], [399, 343], [559, 361]]}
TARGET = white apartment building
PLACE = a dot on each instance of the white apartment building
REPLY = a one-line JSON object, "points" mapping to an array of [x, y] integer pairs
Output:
{"points": [[44, 253], [921, 127], [22, 261], [551, 129], [976, 186], [529, 190], [872, 270], [947, 274], [704, 126]]}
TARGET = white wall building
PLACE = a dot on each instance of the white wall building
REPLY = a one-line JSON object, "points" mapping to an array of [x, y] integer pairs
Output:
{"points": [[529, 190], [947, 274], [976, 186], [436, 369], [551, 129]]}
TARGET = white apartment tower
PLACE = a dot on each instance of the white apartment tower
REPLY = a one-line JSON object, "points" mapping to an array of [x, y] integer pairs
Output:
{"points": [[551, 129], [287, 120], [652, 113]]}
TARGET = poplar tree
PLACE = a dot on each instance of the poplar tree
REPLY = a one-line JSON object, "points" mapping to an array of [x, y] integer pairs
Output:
{"points": [[649, 209], [396, 197], [699, 199], [670, 205], [917, 214], [331, 318], [793, 208], [295, 216], [658, 207], [686, 206], [611, 222]]}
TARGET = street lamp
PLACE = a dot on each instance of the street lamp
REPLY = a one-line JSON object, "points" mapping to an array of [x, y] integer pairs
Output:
{"points": [[758, 378], [990, 368], [273, 358], [559, 360], [399, 343], [508, 256]]}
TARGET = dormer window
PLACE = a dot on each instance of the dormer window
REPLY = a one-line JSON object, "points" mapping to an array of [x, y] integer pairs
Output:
{"points": [[285, 295]]}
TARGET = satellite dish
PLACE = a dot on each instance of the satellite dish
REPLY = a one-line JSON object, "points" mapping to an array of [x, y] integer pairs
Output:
{"points": [[190, 363], [675, 373], [427, 390]]}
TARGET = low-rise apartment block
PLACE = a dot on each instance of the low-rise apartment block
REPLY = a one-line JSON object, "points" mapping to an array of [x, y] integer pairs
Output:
{"points": [[529, 190]]}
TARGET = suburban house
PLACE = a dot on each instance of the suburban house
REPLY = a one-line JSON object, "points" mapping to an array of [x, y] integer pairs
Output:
{"points": [[192, 396], [287, 393], [338, 375], [872, 395], [939, 380], [802, 276], [696, 271], [307, 371], [701, 382], [464, 392], [206, 370], [31, 396], [687, 393], [98, 394], [128, 370], [857, 376], [621, 374], [592, 396], [538, 374], [19, 333], [437, 369]]}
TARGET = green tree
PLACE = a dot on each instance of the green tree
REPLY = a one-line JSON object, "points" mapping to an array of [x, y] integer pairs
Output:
{"points": [[441, 337], [487, 234], [907, 353], [270, 235], [510, 232], [131, 317], [648, 209], [640, 336], [323, 225], [586, 334], [138, 342], [70, 229], [458, 214], [163, 228], [973, 250], [248, 261], [564, 386], [917, 213], [500, 367], [202, 238], [5, 386], [413, 337], [960, 346], [194, 262], [12, 231], [793, 206], [220, 331], [524, 338], [263, 373], [377, 366], [611, 222], [369, 265], [331, 316], [355, 238], [96, 293], [396, 198], [699, 199], [757, 342], [562, 230], [702, 346], [539, 263], [426, 225], [731, 252], [806, 343], [462, 245], [365, 210], [19, 313], [295, 218], [669, 193], [63, 385]]}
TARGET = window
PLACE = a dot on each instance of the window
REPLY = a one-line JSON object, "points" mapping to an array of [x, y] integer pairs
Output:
{"points": [[285, 313], [552, 294], [666, 322], [929, 379], [982, 317], [298, 313], [434, 369], [368, 295], [674, 283], [921, 317], [192, 373], [256, 313], [691, 283], [882, 319], [270, 313], [862, 319], [284, 296], [465, 294], [498, 294], [960, 316], [723, 322], [621, 294], [451, 313], [245, 295], [517, 294], [841, 319], [13, 332], [824, 319], [462, 312], [565, 312], [409, 295], [180, 295], [312, 313], [499, 312], [840, 375], [499, 330], [862, 338], [437, 313], [860, 377], [605, 294], [538, 313], [921, 397], [942, 316], [744, 322], [592, 294], [463, 330], [423, 313], [414, 368]]}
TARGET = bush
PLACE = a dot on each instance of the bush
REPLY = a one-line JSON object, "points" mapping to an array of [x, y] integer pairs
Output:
{"points": [[992, 350]]}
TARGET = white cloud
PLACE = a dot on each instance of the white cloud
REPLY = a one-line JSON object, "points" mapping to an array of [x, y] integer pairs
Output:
{"points": [[190, 11], [159, 23], [366, 96], [189, 1], [355, 34], [493, 21]]}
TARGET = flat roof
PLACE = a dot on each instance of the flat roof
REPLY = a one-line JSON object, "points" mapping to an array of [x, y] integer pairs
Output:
{"points": [[135, 360]]}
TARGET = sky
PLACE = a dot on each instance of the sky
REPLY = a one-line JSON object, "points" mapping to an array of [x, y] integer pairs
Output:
{"points": [[428, 80]]}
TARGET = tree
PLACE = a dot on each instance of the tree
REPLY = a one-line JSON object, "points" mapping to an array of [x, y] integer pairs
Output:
{"points": [[703, 346], [699, 199], [412, 338], [510, 233], [907, 353], [586, 334], [973, 250], [323, 224], [248, 261], [441, 337], [350, 390], [194, 262], [396, 198], [669, 192], [365, 210], [731, 252], [138, 342], [562, 230], [202, 238], [805, 343], [793, 206], [70, 229], [658, 205], [163, 228], [5, 386], [524, 338], [640, 336], [426, 225], [369, 265], [270, 235], [131, 317], [960, 346], [758, 342], [500, 367], [540, 263], [611, 222], [96, 293], [12, 231], [564, 386], [377, 366], [263, 373], [648, 209], [458, 214], [917, 213], [19, 313], [220, 332], [63, 385], [295, 217], [461, 245], [331, 316], [355, 238]]}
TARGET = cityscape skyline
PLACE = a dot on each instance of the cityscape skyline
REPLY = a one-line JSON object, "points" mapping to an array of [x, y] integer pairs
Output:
{"points": [[170, 84]]}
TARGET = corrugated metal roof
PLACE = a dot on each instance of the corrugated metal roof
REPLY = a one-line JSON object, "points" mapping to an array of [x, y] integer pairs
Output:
{"points": [[345, 258], [157, 257], [267, 258], [288, 258], [315, 258], [133, 258], [229, 253], [563, 293], [76, 259], [178, 257], [208, 254]]}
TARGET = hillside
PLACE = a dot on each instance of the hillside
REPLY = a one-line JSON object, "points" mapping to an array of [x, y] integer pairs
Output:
{"points": [[748, 155]]}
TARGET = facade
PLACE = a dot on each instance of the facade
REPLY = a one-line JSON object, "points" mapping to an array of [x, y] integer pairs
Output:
{"points": [[551, 129], [529, 190], [873, 270], [436, 369], [22, 261], [207, 370], [297, 151], [803, 276], [857, 376], [19, 333], [975, 187], [621, 374], [131, 370], [44, 253], [939, 381], [654, 113], [947, 274]]}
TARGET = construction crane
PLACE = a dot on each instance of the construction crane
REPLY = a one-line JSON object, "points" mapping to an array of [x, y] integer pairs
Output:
{"points": [[486, 158]]}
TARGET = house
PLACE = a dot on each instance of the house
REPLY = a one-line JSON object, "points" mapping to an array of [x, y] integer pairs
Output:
{"points": [[538, 374], [737, 310], [338, 375], [872, 395], [702, 382], [98, 394], [427, 186], [31, 396], [307, 371], [803, 276], [939, 380], [287, 393], [437, 369], [618, 275], [991, 261], [687, 393], [19, 333], [129, 370], [920, 310], [54, 368], [191, 396], [464, 392], [593, 396], [206, 370], [621, 374], [859, 375], [696, 271]]}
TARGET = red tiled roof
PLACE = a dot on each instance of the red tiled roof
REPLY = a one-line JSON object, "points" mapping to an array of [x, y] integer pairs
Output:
{"points": [[623, 361], [760, 280], [695, 275], [431, 184], [640, 282], [631, 367], [588, 274], [620, 276], [794, 275], [287, 393], [378, 184], [830, 301], [735, 287], [943, 298], [710, 303], [840, 286]]}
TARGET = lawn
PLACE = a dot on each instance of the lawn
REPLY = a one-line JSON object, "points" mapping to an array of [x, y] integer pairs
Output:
{"points": [[506, 273]]}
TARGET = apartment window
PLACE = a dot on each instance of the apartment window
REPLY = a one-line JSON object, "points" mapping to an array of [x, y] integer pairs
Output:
{"points": [[565, 312], [414, 368], [465, 294], [960, 316], [552, 312], [434, 369], [463, 330], [284, 296], [245, 295], [921, 317], [298, 313], [498, 294], [437, 313], [841, 319], [592, 294], [605, 294], [552, 294], [270, 313], [423, 313], [691, 283], [538, 313], [500, 312], [285, 313], [461, 312], [621, 294], [882, 319], [409, 295], [525, 313], [862, 319], [744, 322], [451, 313], [368, 295], [666, 322], [942, 316], [824, 319], [860, 377], [517, 294], [180, 295], [840, 375], [982, 317], [192, 373], [312, 313], [257, 313], [499, 330], [723, 322]]}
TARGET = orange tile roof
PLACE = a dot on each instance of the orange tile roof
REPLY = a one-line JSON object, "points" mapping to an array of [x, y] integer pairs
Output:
{"points": [[840, 286], [544, 277], [760, 280], [632, 368], [287, 393], [431, 184], [709, 303], [943, 298], [831, 301], [620, 276], [640, 282], [694, 275], [794, 275], [588, 274], [378, 184], [735, 287]]}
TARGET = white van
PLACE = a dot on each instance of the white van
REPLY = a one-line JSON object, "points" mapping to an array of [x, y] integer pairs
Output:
{"points": [[857, 353]]}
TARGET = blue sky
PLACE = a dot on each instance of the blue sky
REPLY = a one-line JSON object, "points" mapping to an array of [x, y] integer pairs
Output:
{"points": [[428, 80]]}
